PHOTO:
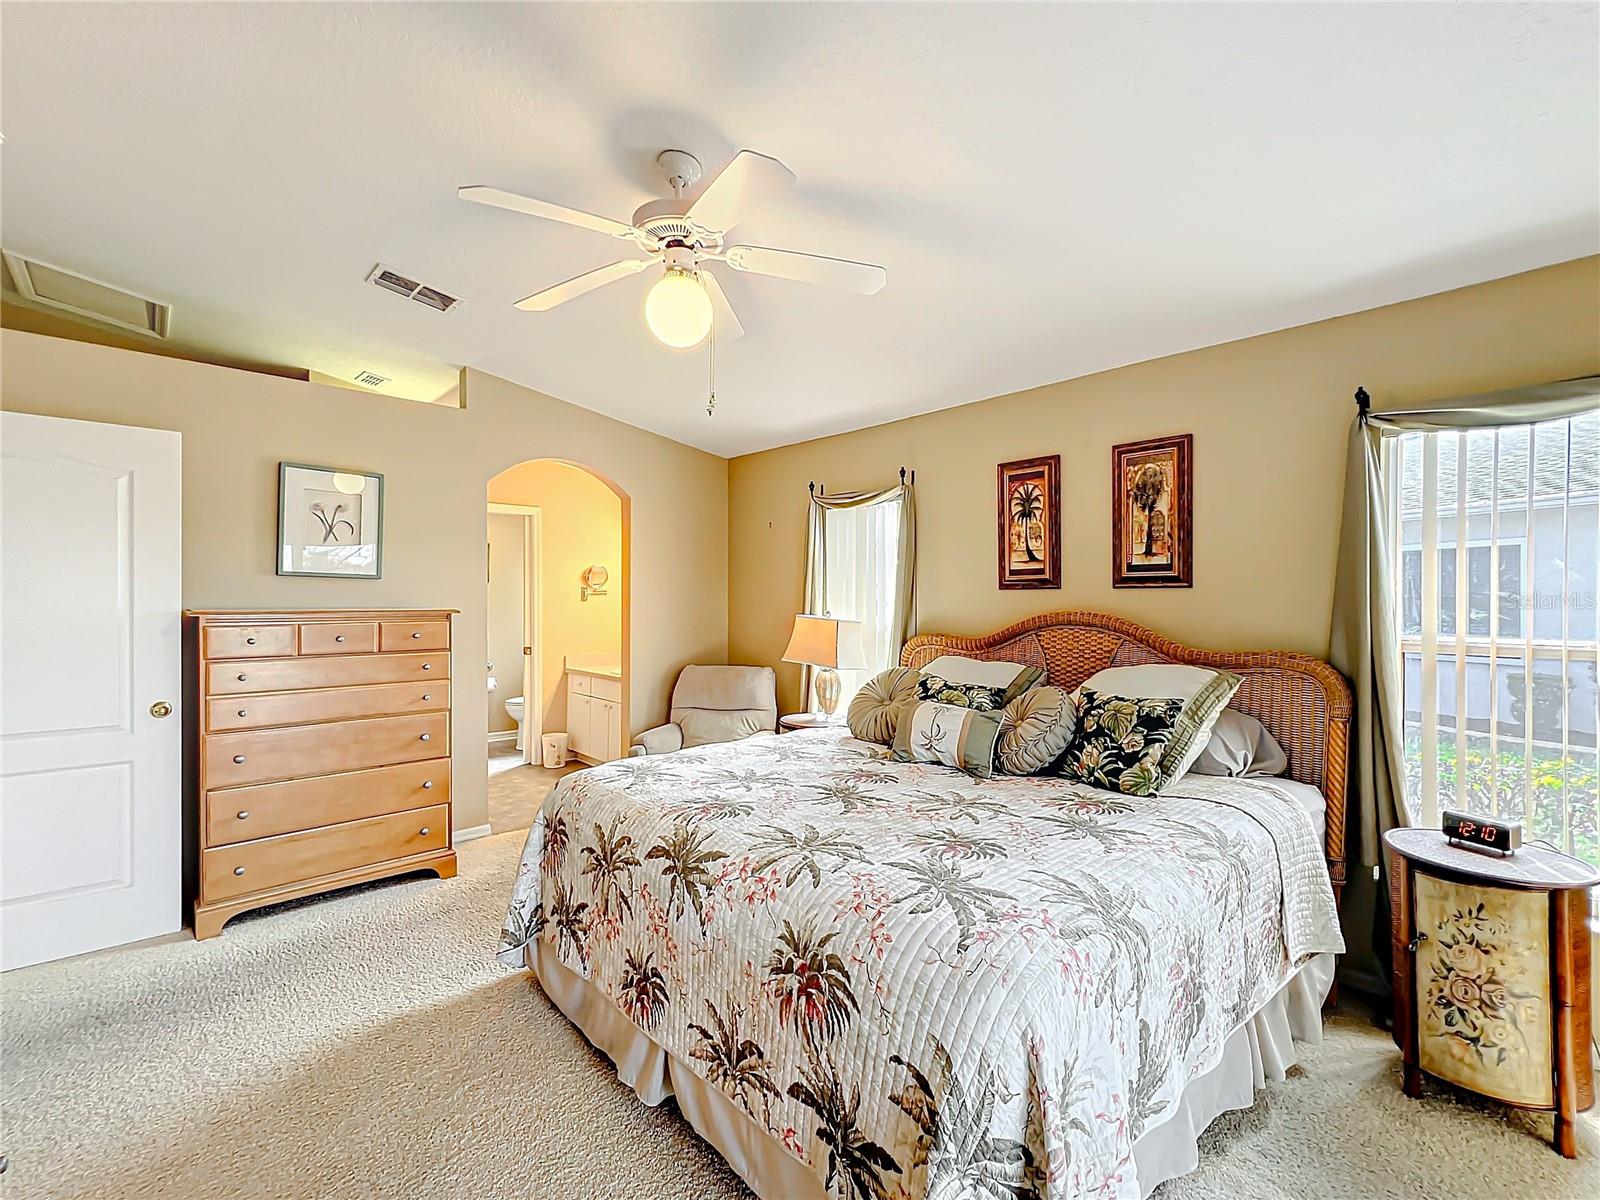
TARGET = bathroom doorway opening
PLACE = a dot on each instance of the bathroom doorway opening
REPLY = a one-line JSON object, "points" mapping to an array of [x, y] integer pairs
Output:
{"points": [[572, 527]]}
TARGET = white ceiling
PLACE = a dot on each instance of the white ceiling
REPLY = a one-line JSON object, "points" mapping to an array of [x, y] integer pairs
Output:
{"points": [[1054, 190]]}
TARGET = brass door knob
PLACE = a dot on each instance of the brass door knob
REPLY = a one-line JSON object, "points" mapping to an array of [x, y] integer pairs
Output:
{"points": [[160, 709]]}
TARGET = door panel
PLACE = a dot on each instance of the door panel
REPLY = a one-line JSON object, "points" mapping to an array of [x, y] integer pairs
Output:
{"points": [[91, 797]]}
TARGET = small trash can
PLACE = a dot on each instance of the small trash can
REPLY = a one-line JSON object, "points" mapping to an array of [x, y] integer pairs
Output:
{"points": [[555, 749]]}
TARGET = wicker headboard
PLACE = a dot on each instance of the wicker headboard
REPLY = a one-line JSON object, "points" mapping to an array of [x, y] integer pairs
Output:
{"points": [[1302, 701]]}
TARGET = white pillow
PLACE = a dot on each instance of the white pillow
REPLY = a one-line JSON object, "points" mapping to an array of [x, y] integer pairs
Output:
{"points": [[1205, 694], [1012, 678], [1240, 745]]}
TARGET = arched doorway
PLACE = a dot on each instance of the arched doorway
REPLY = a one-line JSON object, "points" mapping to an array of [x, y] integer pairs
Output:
{"points": [[557, 627]]}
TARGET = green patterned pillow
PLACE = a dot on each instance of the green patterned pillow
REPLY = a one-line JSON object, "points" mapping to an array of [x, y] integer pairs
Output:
{"points": [[1119, 741], [1204, 692], [945, 733]]}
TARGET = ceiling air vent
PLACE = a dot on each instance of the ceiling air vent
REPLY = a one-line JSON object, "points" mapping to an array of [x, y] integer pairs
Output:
{"points": [[371, 379], [402, 285], [57, 287]]}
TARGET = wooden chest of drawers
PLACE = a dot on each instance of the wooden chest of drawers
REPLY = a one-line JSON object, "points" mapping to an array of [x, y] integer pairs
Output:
{"points": [[320, 753]]}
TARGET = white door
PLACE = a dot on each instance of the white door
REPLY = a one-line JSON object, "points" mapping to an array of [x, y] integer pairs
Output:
{"points": [[91, 786]]}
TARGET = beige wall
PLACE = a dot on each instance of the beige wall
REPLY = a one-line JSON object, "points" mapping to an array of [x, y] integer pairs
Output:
{"points": [[1269, 417], [580, 525], [437, 462], [507, 629]]}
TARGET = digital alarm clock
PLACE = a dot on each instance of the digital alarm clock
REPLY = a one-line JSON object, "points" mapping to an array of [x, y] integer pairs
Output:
{"points": [[1482, 833]]}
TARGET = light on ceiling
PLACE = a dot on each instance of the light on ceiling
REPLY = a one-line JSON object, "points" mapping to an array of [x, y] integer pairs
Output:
{"points": [[350, 485], [678, 310]]}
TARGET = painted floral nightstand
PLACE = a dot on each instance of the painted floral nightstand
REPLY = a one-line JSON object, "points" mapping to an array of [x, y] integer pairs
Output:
{"points": [[1491, 973]]}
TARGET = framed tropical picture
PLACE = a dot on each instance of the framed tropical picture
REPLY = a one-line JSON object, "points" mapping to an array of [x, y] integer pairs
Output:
{"points": [[1029, 522], [1152, 513], [330, 522]]}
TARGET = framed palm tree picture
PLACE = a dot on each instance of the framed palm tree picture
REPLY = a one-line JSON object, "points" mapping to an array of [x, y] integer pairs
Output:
{"points": [[1152, 513], [330, 522], [1028, 514]]}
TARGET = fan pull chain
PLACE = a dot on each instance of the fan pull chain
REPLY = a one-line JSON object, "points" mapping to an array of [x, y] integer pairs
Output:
{"points": [[711, 371]]}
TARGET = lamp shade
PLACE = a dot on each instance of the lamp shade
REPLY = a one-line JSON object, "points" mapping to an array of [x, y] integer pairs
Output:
{"points": [[825, 642]]}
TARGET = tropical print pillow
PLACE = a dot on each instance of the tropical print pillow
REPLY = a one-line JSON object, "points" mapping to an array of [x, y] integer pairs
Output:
{"points": [[963, 695], [1119, 741]]}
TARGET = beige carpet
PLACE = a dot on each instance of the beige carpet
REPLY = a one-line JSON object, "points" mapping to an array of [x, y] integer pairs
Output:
{"points": [[516, 790], [369, 1046]]}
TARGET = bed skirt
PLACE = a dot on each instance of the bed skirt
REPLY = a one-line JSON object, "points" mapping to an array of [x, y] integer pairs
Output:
{"points": [[1260, 1049]]}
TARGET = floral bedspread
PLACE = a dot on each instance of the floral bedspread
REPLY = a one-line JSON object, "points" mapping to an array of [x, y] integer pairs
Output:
{"points": [[922, 984]]}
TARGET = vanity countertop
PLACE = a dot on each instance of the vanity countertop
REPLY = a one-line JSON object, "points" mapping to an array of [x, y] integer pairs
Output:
{"points": [[580, 665]]}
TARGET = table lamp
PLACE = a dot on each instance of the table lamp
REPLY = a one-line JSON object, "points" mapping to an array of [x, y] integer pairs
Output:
{"points": [[828, 643]]}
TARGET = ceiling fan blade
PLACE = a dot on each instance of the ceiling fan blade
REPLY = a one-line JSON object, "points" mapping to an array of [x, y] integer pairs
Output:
{"points": [[808, 268], [479, 194], [745, 184], [724, 323], [587, 282]]}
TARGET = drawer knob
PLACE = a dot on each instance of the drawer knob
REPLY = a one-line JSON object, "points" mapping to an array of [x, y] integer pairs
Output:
{"points": [[426, 737], [1415, 942], [338, 637], [244, 814], [424, 831], [426, 784], [427, 666], [241, 679], [238, 870], [238, 758], [243, 713], [249, 641], [415, 636], [425, 696]]}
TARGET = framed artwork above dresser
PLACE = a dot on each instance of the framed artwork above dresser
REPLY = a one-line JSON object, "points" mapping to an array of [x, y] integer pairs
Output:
{"points": [[319, 753]]}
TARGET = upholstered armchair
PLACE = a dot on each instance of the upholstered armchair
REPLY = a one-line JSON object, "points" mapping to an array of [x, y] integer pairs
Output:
{"points": [[714, 704]]}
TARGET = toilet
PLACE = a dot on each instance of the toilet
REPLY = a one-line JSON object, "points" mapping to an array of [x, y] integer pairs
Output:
{"points": [[514, 711]]}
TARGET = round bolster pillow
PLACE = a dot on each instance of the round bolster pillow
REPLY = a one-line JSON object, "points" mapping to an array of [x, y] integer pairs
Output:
{"points": [[1035, 729], [872, 710]]}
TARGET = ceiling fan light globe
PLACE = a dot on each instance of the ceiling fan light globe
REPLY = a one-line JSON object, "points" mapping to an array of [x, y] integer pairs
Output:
{"points": [[678, 310]]}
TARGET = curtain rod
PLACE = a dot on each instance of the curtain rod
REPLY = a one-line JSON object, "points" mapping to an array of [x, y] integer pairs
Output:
{"points": [[816, 488], [1363, 401]]}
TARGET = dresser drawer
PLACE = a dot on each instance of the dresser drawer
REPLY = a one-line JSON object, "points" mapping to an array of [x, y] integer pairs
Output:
{"points": [[415, 635], [354, 637], [331, 704], [235, 759], [249, 641], [603, 688], [240, 814], [297, 674], [229, 871]]}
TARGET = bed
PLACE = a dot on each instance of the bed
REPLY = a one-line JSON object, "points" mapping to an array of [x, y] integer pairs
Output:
{"points": [[875, 979]]}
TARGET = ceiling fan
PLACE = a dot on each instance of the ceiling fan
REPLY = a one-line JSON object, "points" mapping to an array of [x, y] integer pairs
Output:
{"points": [[683, 238]]}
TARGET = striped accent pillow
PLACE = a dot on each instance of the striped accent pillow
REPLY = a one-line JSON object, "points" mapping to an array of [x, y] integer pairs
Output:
{"points": [[963, 738]]}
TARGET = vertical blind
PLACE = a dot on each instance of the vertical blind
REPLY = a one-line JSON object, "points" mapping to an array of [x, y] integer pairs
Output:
{"points": [[1496, 535], [863, 549]]}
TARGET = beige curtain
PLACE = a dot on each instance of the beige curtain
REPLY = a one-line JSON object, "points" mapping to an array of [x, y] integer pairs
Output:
{"points": [[1365, 638], [904, 617]]}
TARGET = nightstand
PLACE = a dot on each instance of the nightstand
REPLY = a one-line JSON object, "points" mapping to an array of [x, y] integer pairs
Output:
{"points": [[1491, 973], [806, 721]]}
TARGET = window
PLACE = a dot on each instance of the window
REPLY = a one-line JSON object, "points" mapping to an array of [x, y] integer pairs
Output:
{"points": [[1497, 533], [863, 556]]}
